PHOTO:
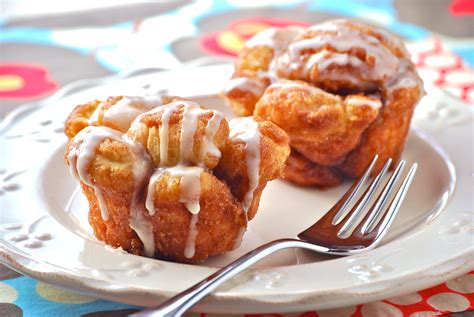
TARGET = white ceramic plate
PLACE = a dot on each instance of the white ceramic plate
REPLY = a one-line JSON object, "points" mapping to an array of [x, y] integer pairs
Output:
{"points": [[44, 231]]}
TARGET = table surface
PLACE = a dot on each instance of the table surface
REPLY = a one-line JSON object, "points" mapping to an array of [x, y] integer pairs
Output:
{"points": [[46, 45]]}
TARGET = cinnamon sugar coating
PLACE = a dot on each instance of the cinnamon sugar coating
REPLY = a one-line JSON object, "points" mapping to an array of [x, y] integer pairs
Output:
{"points": [[342, 90]]}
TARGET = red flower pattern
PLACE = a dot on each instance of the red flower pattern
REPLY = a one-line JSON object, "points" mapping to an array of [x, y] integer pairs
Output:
{"points": [[24, 81], [231, 40], [462, 7]]}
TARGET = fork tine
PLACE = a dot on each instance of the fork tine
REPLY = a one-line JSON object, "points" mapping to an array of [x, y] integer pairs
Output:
{"points": [[367, 225], [381, 201], [350, 195], [354, 215], [389, 216]]}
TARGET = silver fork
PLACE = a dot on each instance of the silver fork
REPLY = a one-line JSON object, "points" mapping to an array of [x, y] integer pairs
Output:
{"points": [[338, 232]]}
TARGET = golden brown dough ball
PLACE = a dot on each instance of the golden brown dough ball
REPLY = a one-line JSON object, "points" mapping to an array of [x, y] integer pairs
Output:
{"points": [[254, 68], [387, 135], [242, 93], [208, 129], [78, 119], [236, 169], [303, 172], [322, 126], [109, 173], [115, 112], [219, 221]]}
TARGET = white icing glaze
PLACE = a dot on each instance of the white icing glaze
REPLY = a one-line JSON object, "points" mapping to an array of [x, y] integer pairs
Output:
{"points": [[190, 194], [291, 55], [102, 204], [286, 84], [144, 231], [342, 41], [127, 109], [394, 40], [122, 114], [331, 25], [341, 38], [358, 101], [164, 134], [94, 118], [406, 82], [254, 86], [189, 124], [208, 146], [239, 237], [269, 74], [246, 130], [190, 248], [276, 38], [406, 78], [149, 201], [190, 186], [264, 38], [324, 59], [138, 222], [192, 112], [82, 151]]}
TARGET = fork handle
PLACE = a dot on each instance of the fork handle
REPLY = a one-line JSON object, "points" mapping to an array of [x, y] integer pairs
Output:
{"points": [[180, 303]]}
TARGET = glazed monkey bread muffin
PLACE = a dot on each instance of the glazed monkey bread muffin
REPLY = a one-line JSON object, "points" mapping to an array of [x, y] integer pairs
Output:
{"points": [[343, 91], [167, 178]]}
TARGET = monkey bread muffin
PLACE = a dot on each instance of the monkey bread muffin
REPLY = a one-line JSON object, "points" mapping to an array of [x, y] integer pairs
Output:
{"points": [[342, 90], [166, 178]]}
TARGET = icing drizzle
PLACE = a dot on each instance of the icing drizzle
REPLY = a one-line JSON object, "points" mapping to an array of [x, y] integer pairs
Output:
{"points": [[188, 128], [276, 38], [164, 135], [189, 124], [252, 85], [246, 130], [208, 146], [82, 151], [190, 193], [122, 113], [190, 184], [342, 38], [190, 248], [291, 56], [359, 101], [84, 145]]}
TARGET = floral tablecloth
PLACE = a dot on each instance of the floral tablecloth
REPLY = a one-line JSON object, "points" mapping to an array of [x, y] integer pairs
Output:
{"points": [[41, 53]]}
